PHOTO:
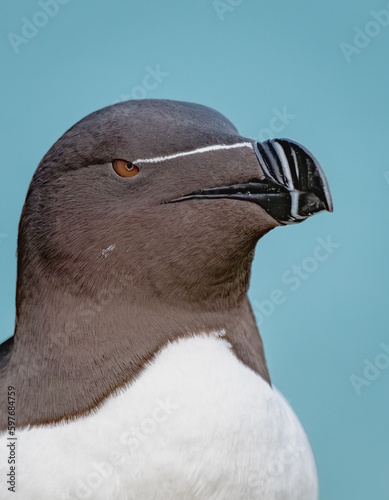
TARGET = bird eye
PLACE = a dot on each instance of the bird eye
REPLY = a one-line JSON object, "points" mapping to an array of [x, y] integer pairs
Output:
{"points": [[125, 168]]}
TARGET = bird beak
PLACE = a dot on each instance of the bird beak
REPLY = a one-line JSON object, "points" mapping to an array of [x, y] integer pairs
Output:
{"points": [[294, 186]]}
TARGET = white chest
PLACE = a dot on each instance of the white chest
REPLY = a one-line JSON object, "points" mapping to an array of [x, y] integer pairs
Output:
{"points": [[197, 424]]}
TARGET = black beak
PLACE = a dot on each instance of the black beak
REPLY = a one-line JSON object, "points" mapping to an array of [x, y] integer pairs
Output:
{"points": [[294, 187]]}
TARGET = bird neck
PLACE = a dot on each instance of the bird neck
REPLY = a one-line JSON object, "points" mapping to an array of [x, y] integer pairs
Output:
{"points": [[74, 347]]}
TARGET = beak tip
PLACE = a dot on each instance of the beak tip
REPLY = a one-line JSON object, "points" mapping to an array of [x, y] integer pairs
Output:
{"points": [[326, 193], [328, 203]]}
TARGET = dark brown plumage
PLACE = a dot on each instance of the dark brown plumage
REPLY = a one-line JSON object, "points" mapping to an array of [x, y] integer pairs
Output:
{"points": [[108, 272]]}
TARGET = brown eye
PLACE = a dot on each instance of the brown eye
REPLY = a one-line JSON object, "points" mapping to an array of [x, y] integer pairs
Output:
{"points": [[125, 168]]}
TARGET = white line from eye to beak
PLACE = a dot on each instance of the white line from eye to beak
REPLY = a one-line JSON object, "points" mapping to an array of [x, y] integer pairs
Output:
{"points": [[205, 149]]}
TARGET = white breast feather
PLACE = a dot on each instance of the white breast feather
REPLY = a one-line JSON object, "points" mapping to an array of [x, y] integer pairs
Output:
{"points": [[197, 424]]}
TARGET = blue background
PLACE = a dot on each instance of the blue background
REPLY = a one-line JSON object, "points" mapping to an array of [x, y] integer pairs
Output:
{"points": [[247, 61]]}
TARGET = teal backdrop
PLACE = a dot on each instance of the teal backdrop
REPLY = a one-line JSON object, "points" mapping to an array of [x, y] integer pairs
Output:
{"points": [[316, 72]]}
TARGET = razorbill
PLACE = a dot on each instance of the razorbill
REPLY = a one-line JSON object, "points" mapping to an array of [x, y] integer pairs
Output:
{"points": [[136, 370]]}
